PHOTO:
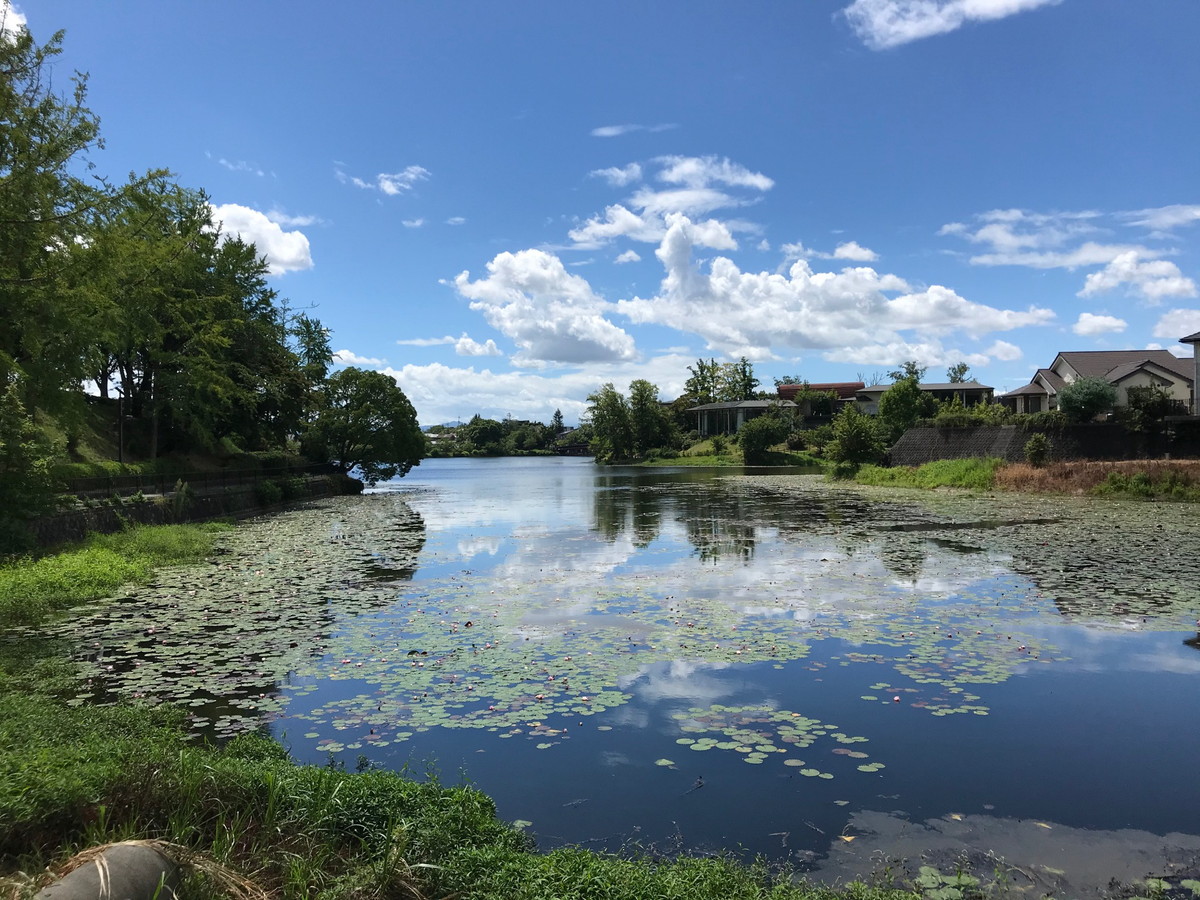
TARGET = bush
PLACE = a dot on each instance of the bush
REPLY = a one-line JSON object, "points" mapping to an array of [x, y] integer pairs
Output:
{"points": [[268, 493], [720, 443], [855, 439], [1085, 398], [759, 434], [1037, 449]]}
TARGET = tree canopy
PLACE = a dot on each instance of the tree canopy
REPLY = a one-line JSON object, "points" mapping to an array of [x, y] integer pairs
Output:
{"points": [[1085, 398], [365, 422]]}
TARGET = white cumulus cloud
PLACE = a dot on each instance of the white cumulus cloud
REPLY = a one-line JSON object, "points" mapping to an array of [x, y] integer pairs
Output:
{"points": [[412, 223], [854, 251], [552, 315], [12, 20], [466, 346], [350, 358], [1177, 323], [889, 23], [286, 251], [629, 256], [1153, 279], [1089, 325], [840, 313], [1004, 351]]}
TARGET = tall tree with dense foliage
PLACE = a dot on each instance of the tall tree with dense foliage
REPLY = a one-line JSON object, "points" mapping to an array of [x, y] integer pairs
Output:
{"points": [[25, 483], [902, 405], [648, 418], [612, 430], [366, 422], [704, 384], [738, 381], [855, 441], [1085, 398], [45, 205]]}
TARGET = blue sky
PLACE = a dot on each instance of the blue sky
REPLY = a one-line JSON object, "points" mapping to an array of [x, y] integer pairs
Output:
{"points": [[505, 205]]}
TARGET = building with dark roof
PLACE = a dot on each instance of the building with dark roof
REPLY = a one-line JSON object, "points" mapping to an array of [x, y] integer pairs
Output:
{"points": [[1122, 369], [728, 418], [970, 393]]}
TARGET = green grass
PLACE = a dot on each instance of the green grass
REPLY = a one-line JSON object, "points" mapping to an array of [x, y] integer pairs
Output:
{"points": [[709, 459], [975, 474], [1168, 485], [31, 590]]}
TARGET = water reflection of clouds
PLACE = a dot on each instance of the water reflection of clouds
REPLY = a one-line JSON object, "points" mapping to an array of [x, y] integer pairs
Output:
{"points": [[679, 680], [1123, 647], [473, 546]]}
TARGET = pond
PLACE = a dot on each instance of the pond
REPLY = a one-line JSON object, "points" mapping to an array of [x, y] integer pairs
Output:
{"points": [[708, 660]]}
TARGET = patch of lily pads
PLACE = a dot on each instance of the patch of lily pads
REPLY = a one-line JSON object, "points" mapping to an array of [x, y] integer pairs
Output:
{"points": [[342, 619], [760, 732]]}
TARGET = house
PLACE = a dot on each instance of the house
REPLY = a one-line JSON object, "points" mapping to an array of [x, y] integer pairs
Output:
{"points": [[970, 393], [843, 392], [1122, 369], [727, 418]]}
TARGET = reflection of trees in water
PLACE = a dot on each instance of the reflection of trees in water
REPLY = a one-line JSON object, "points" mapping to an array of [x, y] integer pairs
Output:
{"points": [[717, 522], [400, 533]]}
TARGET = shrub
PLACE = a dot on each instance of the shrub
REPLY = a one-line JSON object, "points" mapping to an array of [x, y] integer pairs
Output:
{"points": [[1085, 398], [757, 435], [720, 443], [855, 440], [795, 440], [1037, 449], [268, 493]]}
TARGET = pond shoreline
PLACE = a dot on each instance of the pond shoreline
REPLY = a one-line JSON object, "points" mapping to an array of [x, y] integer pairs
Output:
{"points": [[943, 511]]}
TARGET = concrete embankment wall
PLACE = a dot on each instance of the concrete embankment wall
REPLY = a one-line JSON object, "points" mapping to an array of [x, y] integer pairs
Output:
{"points": [[1089, 441], [234, 501]]}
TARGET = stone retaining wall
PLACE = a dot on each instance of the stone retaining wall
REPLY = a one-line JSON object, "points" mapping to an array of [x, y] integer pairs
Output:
{"points": [[1088, 441], [242, 501]]}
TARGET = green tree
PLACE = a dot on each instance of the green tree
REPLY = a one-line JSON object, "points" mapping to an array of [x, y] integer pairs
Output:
{"points": [[483, 435], [365, 421], [757, 436], [959, 373], [556, 422], [26, 488], [45, 205], [612, 430], [737, 381], [855, 440], [1085, 398], [704, 385], [902, 405], [910, 368], [648, 419], [1148, 406]]}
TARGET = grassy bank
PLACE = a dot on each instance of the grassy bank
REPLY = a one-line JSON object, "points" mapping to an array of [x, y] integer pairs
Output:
{"points": [[32, 589], [74, 776], [977, 474], [1136, 479]]}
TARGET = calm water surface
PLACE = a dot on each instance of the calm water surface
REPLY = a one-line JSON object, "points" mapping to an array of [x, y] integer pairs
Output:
{"points": [[695, 659]]}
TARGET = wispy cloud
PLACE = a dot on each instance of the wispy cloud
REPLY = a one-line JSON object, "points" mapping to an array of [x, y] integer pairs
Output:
{"points": [[412, 223], [240, 165], [607, 131], [350, 358], [456, 220], [619, 177], [390, 183], [426, 342], [1014, 237], [881, 24], [281, 218]]}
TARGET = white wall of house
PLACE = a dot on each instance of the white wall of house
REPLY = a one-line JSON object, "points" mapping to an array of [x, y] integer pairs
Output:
{"points": [[1177, 390]]}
